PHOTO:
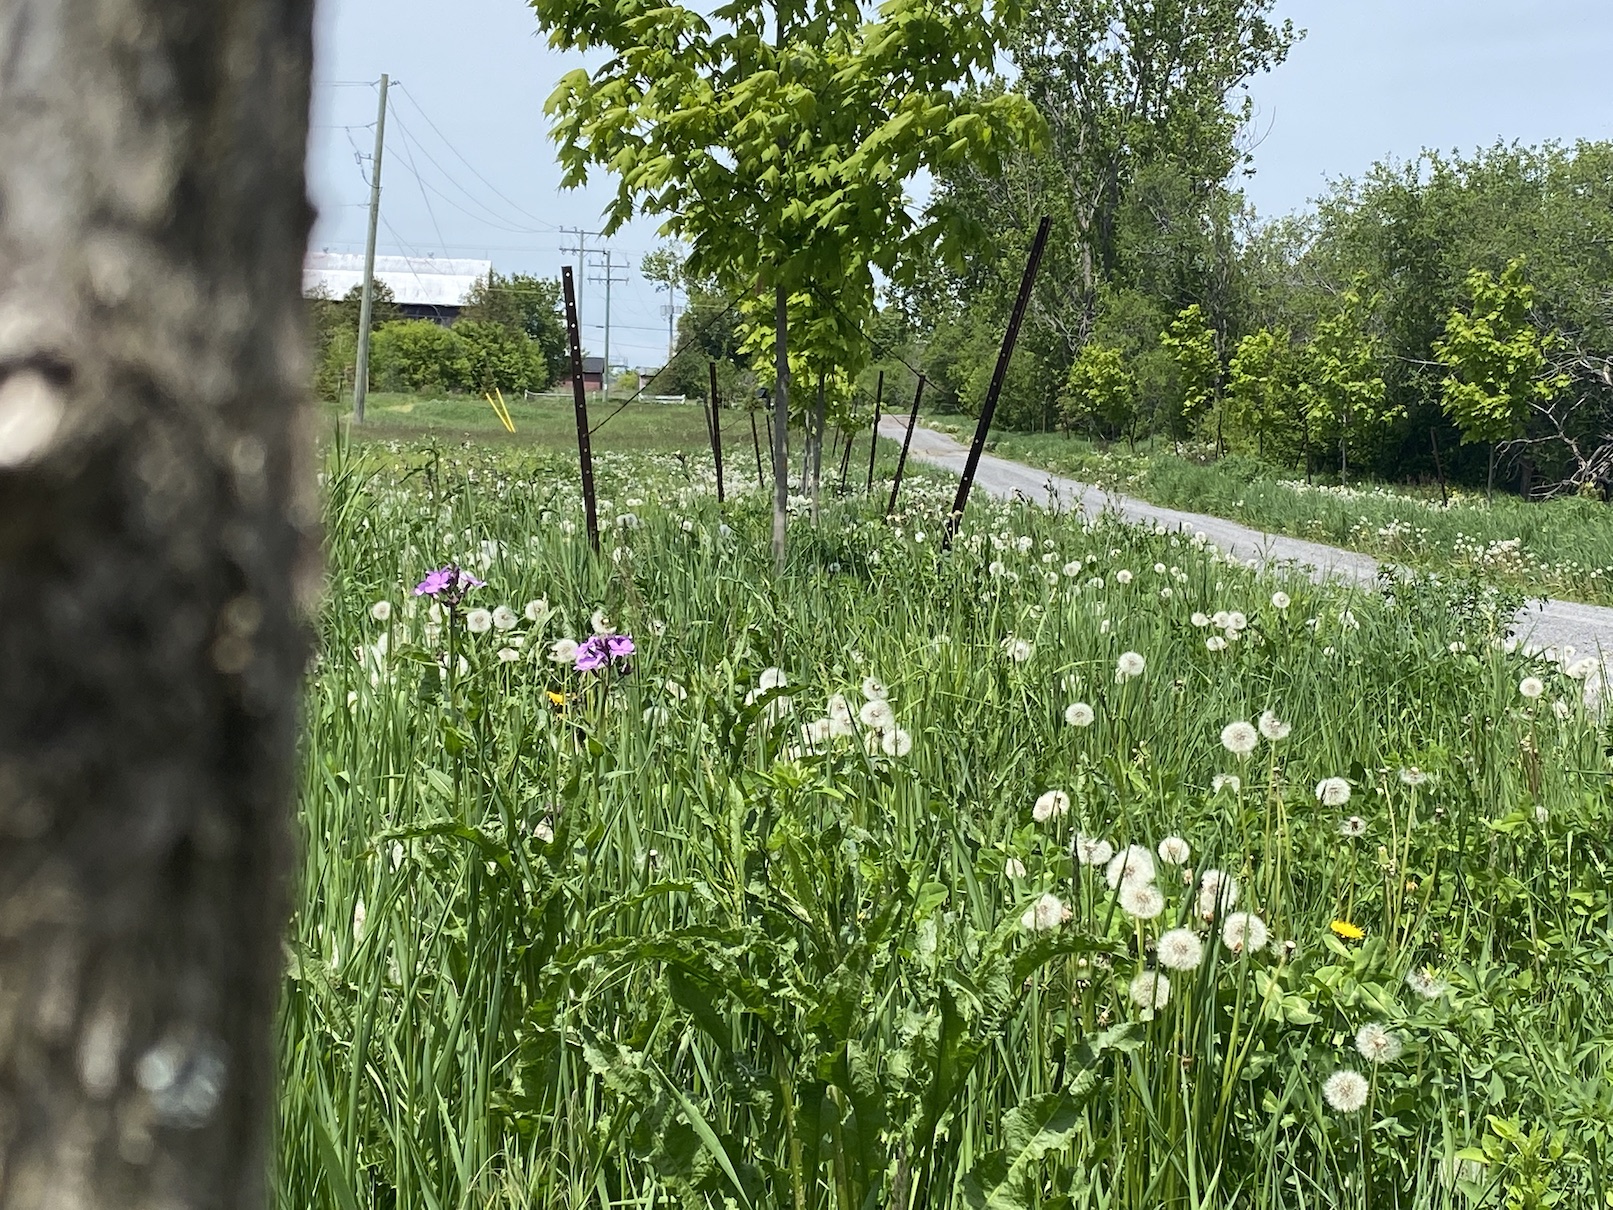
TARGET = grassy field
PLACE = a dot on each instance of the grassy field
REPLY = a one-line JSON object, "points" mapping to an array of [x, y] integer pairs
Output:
{"points": [[821, 896], [551, 423], [1560, 548]]}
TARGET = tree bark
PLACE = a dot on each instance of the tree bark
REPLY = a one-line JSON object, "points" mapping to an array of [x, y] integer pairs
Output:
{"points": [[156, 524]]}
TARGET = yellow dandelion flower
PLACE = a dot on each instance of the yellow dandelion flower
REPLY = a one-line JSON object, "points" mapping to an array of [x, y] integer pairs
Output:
{"points": [[1346, 930], [558, 700]]}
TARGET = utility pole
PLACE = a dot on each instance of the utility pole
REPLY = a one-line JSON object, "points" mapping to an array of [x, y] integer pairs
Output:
{"points": [[608, 278], [361, 367], [580, 248], [671, 322]]}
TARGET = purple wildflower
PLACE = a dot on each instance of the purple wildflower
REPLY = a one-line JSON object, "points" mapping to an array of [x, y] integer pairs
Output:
{"points": [[453, 581], [602, 649], [435, 582]]}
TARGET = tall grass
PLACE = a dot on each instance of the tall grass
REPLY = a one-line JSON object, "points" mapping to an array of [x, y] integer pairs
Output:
{"points": [[1561, 547], [594, 939]]}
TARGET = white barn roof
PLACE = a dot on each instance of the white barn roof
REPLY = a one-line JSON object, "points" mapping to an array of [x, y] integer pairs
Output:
{"points": [[423, 281]]}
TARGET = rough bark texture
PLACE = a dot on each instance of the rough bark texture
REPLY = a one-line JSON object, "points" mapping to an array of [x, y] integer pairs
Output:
{"points": [[155, 531]]}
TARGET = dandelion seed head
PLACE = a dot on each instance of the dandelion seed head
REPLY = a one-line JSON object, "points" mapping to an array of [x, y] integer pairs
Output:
{"points": [[1131, 864], [1129, 666], [1150, 991], [1332, 791], [1227, 781], [1218, 892], [1049, 805], [478, 621], [381, 611], [1353, 827], [1244, 933], [1045, 914], [1142, 900], [874, 690], [896, 742], [1531, 687], [1423, 981], [1092, 850], [1079, 714], [1272, 727], [1411, 775], [1346, 1091], [1280, 600], [877, 715], [1173, 850], [505, 618], [1239, 738], [1180, 950], [1377, 1043]]}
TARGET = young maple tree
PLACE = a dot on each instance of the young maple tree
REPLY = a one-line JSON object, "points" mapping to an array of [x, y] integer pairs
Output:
{"points": [[777, 142], [1497, 360]]}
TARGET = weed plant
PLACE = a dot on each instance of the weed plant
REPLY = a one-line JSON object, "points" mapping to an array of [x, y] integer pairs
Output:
{"points": [[1076, 867]]}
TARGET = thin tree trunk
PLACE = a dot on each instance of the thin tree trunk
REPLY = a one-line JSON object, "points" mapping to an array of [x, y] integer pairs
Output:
{"points": [[156, 540], [781, 418], [818, 417]]}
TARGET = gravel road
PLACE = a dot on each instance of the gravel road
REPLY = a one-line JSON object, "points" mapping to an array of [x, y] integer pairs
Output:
{"points": [[1551, 623]]}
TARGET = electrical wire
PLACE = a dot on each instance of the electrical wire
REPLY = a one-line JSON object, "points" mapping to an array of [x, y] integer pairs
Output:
{"points": [[679, 351]]}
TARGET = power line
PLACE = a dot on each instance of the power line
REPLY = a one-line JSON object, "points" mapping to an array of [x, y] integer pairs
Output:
{"points": [[419, 180], [498, 222], [421, 110], [710, 323]]}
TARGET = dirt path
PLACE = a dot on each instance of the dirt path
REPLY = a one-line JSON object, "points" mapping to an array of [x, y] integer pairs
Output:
{"points": [[1588, 629]]}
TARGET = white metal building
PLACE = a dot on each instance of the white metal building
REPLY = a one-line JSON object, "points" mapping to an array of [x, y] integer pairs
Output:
{"points": [[424, 287]]}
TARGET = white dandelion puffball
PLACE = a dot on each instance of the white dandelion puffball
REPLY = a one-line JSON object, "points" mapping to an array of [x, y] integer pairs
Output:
{"points": [[1079, 714], [1215, 643], [772, 678], [563, 651], [535, 610], [1129, 666], [478, 621], [1272, 727], [877, 715], [1150, 991], [1181, 950], [601, 622], [1244, 933], [896, 742], [1132, 864], [874, 690], [1173, 850], [1412, 776], [839, 708], [1227, 781], [1346, 1091], [1018, 650], [1426, 984], [1218, 891], [1050, 804], [1014, 868], [1201, 620], [1353, 827], [1045, 914], [1279, 600], [1091, 850], [1377, 1043], [1236, 621], [1141, 900], [1531, 687], [381, 611], [1122, 576], [1239, 738], [505, 618], [1332, 791]]}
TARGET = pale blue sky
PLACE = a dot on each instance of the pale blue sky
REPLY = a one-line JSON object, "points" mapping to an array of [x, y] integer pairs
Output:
{"points": [[1374, 78]]}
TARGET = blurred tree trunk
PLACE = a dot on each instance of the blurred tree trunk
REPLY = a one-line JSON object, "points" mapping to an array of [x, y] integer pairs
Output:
{"points": [[155, 532]]}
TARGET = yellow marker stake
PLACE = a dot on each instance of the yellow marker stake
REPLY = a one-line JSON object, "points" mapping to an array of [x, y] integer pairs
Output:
{"points": [[500, 410]]}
